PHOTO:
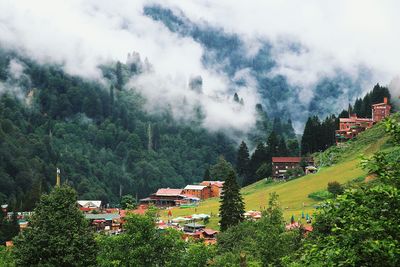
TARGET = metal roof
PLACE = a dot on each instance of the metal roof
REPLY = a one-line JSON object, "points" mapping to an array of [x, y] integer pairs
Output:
{"points": [[195, 187]]}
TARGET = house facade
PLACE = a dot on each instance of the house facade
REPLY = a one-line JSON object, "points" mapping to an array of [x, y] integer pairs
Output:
{"points": [[280, 165], [381, 110], [215, 187], [200, 191], [352, 126]]}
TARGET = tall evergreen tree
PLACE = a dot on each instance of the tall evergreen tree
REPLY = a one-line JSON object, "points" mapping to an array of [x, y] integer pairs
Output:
{"points": [[232, 206], [282, 147], [236, 98], [58, 234], [259, 157], [242, 161], [221, 169], [207, 175], [118, 73], [272, 145]]}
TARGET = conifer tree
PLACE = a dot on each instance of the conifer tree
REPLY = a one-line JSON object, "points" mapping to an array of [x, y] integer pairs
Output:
{"points": [[232, 206], [282, 147], [207, 175], [236, 98], [272, 145], [118, 73], [259, 156], [242, 161]]}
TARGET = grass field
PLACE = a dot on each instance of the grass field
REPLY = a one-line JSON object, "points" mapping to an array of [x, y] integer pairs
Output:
{"points": [[293, 195]]}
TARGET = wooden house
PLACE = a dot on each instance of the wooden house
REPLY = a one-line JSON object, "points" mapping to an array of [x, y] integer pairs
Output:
{"points": [[200, 191], [280, 165]]}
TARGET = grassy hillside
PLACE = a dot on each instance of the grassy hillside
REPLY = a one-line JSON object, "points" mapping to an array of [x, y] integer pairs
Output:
{"points": [[340, 164]]}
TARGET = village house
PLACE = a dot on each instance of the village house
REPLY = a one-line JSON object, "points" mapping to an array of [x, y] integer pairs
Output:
{"points": [[200, 191], [280, 165], [168, 197], [215, 187], [89, 205], [352, 126]]}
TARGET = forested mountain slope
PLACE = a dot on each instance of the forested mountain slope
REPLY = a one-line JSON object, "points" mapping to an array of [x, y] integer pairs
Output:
{"points": [[98, 135]]}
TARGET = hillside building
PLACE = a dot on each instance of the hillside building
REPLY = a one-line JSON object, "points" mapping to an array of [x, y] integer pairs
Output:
{"points": [[280, 165], [200, 191], [167, 197], [352, 126], [215, 187]]}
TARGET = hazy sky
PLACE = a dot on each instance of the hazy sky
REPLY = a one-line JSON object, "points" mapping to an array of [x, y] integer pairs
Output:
{"points": [[83, 34]]}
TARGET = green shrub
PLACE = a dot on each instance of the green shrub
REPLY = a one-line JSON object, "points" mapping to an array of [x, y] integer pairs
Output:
{"points": [[321, 195]]}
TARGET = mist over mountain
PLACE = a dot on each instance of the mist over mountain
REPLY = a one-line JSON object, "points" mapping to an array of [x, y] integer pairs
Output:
{"points": [[293, 63]]}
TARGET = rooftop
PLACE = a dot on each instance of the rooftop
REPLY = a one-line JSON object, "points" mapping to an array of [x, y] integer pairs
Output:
{"points": [[89, 203], [195, 187], [168, 192], [286, 159]]}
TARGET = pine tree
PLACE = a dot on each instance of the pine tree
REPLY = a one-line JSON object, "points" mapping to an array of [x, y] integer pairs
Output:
{"points": [[272, 145], [259, 156], [221, 169], [118, 73], [232, 206], [207, 175], [282, 148], [112, 99], [242, 161], [236, 98]]}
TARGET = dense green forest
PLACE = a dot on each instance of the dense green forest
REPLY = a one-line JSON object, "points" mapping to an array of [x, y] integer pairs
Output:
{"points": [[100, 136]]}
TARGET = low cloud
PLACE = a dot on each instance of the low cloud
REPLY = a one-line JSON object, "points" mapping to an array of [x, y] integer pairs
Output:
{"points": [[81, 35]]}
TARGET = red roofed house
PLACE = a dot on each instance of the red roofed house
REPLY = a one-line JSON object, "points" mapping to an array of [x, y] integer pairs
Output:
{"points": [[280, 165], [165, 197], [215, 187]]}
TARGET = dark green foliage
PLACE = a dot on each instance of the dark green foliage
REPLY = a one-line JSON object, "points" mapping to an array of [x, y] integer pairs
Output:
{"points": [[6, 257], [361, 226], [221, 170], [232, 206], [141, 245], [272, 145], [320, 195], [242, 161], [317, 135], [9, 227], [259, 157], [98, 137], [58, 234], [294, 173], [207, 175], [335, 188], [128, 202], [264, 171], [393, 128], [261, 243]]}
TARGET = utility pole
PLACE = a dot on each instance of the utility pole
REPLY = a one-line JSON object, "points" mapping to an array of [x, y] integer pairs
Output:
{"points": [[58, 181]]}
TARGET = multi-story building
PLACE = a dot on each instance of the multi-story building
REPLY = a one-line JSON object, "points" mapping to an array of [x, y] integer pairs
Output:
{"points": [[280, 165], [352, 126], [381, 110]]}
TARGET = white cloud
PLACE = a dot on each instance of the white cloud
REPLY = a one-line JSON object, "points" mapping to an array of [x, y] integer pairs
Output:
{"points": [[82, 34]]}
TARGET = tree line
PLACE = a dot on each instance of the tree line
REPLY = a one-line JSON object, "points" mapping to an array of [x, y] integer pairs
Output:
{"points": [[319, 135]]}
